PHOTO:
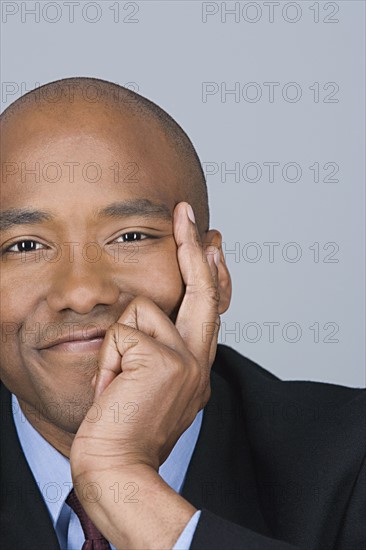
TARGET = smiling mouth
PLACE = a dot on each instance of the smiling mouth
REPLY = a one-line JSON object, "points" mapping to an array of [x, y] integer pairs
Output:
{"points": [[77, 346], [81, 341]]}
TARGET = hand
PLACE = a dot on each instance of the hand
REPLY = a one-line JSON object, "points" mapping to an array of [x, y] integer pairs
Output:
{"points": [[156, 373], [152, 374]]}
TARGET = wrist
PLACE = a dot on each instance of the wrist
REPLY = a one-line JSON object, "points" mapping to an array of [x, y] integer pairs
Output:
{"points": [[133, 507]]}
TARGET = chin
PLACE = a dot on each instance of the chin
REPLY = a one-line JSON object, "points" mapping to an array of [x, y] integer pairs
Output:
{"points": [[66, 411]]}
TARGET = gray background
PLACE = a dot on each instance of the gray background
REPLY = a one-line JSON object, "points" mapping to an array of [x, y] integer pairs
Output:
{"points": [[312, 293]]}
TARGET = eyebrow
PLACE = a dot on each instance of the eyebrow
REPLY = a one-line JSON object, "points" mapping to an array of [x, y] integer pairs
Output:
{"points": [[136, 207], [22, 216]]}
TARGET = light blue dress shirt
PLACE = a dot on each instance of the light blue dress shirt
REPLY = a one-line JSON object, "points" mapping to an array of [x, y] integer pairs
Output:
{"points": [[52, 473]]}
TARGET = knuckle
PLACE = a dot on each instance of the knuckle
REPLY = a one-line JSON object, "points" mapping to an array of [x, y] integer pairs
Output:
{"points": [[190, 249], [121, 332], [140, 302], [212, 294], [205, 289], [113, 330], [195, 372], [170, 364]]}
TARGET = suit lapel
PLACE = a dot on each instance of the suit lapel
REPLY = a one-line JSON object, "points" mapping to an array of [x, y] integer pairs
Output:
{"points": [[25, 521], [221, 477]]}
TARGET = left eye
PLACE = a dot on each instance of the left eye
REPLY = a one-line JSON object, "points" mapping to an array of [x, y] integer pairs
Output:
{"points": [[132, 236]]}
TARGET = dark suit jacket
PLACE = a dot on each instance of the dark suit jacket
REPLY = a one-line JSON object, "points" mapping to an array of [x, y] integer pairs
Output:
{"points": [[278, 465]]}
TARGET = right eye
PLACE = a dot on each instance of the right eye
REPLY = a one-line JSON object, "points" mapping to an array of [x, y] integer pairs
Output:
{"points": [[21, 247]]}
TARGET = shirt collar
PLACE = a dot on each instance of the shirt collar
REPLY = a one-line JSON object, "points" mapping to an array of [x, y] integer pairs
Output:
{"points": [[52, 473]]}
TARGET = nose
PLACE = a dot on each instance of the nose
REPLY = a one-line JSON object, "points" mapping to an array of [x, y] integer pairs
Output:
{"points": [[81, 284]]}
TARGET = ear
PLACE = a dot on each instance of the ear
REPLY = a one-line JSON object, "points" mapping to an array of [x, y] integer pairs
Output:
{"points": [[212, 237]]}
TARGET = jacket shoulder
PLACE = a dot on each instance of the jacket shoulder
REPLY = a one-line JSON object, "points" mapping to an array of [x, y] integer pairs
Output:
{"points": [[233, 368]]}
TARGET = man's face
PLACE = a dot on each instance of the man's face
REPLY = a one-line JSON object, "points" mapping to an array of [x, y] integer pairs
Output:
{"points": [[62, 284]]}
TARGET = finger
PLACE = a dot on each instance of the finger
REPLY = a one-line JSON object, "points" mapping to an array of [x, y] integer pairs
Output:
{"points": [[144, 315], [119, 339], [213, 254], [198, 314], [141, 317]]}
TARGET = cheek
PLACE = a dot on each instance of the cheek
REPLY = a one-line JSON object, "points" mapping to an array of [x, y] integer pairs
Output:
{"points": [[19, 296], [15, 286], [18, 300], [158, 277]]}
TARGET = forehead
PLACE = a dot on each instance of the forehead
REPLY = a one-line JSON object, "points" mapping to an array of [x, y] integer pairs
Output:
{"points": [[85, 155]]}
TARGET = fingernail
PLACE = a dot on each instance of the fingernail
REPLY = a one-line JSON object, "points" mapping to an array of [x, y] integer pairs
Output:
{"points": [[213, 256], [217, 257], [190, 213]]}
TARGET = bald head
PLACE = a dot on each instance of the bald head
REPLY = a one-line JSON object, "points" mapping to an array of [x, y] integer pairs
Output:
{"points": [[92, 174], [92, 107]]}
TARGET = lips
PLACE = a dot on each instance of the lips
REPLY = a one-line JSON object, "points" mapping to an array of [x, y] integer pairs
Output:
{"points": [[87, 340], [77, 346]]}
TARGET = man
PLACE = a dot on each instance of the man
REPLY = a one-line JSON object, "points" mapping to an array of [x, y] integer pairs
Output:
{"points": [[112, 289]]}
